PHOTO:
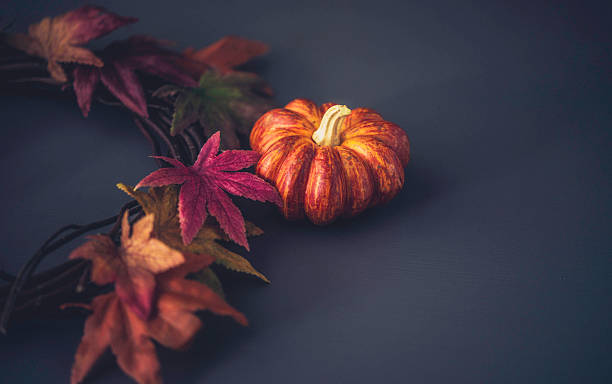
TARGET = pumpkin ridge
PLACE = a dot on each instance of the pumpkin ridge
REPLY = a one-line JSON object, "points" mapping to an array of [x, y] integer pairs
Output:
{"points": [[350, 208], [388, 133], [292, 177], [307, 109], [325, 192], [387, 167], [268, 168]]}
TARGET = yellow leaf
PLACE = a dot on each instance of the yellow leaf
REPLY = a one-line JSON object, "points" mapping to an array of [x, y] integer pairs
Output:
{"points": [[162, 202], [143, 251]]}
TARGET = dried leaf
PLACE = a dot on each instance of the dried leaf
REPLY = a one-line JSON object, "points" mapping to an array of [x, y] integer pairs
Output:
{"points": [[230, 103], [57, 39], [163, 202], [113, 324], [132, 265], [203, 186], [122, 60], [224, 54], [140, 250], [209, 277]]}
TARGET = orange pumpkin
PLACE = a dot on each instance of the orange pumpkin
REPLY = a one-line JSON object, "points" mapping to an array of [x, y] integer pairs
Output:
{"points": [[329, 161]]}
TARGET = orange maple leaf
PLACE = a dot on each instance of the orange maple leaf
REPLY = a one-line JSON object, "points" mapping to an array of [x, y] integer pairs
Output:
{"points": [[132, 265], [57, 39], [113, 324], [126, 320], [223, 55]]}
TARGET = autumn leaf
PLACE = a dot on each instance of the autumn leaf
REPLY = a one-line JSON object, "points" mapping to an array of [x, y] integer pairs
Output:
{"points": [[209, 277], [203, 186], [122, 60], [163, 202], [223, 55], [113, 324], [230, 103], [132, 265], [57, 39]]}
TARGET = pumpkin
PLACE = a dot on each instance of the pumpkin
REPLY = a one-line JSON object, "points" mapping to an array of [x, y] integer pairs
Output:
{"points": [[329, 161]]}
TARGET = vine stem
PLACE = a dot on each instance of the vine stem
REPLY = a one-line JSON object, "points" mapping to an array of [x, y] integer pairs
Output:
{"points": [[48, 247], [164, 136], [155, 150], [180, 144], [196, 136], [28, 289]]}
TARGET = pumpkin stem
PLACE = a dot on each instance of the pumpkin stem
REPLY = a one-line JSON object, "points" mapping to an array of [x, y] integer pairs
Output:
{"points": [[328, 132]]}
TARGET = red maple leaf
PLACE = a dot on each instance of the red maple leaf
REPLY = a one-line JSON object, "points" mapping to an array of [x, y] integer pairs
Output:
{"points": [[203, 184], [121, 61]]}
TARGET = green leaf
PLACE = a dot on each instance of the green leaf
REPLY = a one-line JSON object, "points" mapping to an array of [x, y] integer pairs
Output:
{"points": [[209, 277], [163, 202], [230, 103]]}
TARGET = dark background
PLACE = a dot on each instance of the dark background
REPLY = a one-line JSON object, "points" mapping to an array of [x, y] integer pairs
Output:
{"points": [[492, 265]]}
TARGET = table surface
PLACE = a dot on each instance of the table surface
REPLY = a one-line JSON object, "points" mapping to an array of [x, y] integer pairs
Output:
{"points": [[493, 264]]}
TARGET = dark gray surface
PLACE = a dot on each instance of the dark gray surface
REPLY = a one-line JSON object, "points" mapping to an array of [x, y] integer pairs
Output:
{"points": [[492, 265]]}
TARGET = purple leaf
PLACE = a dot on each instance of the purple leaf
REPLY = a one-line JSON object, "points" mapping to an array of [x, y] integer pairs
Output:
{"points": [[203, 188], [122, 60], [85, 80]]}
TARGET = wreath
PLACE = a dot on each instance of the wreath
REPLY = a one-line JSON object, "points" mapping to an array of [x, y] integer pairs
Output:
{"points": [[145, 278]]}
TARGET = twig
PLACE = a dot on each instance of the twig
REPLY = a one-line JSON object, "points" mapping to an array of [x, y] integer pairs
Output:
{"points": [[18, 66], [192, 131], [56, 279], [192, 148], [179, 143], [45, 80], [117, 225], [48, 247], [155, 150], [160, 132]]}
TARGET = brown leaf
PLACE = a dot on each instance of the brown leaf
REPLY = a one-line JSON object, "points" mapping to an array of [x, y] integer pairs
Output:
{"points": [[140, 250], [57, 39], [132, 265], [96, 336], [162, 202], [224, 54], [122, 60], [113, 324]]}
